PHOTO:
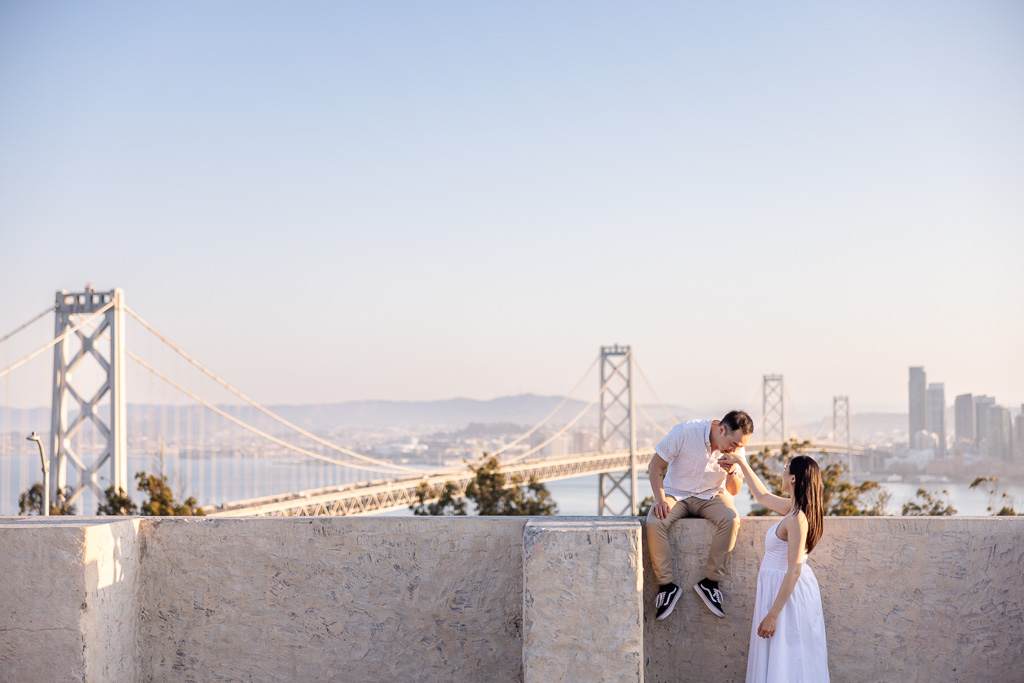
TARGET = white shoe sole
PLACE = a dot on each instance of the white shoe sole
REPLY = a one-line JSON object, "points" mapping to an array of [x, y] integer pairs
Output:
{"points": [[671, 605], [710, 605]]}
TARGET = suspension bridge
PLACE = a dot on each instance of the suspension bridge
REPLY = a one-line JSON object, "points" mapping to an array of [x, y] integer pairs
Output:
{"points": [[240, 458]]}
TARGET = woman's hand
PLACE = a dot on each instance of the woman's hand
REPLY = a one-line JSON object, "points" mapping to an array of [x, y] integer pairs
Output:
{"points": [[767, 627]]}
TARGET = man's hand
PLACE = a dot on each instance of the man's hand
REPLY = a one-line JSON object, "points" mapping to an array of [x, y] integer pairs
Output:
{"points": [[728, 459], [661, 509]]}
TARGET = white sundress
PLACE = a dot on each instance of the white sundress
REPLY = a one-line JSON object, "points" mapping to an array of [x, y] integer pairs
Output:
{"points": [[797, 652]]}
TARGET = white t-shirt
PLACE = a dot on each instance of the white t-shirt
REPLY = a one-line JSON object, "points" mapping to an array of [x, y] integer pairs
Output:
{"points": [[693, 468]]}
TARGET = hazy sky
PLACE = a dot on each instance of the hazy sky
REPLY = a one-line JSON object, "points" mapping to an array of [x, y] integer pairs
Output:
{"points": [[338, 201]]}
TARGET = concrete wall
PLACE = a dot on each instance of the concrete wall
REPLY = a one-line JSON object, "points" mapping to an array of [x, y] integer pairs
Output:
{"points": [[368, 599], [68, 609], [327, 598], [911, 599], [583, 589]]}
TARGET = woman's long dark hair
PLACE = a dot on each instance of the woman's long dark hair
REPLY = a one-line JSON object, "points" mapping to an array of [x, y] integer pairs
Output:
{"points": [[808, 496]]}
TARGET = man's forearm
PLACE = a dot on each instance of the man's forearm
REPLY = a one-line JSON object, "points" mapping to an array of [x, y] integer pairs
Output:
{"points": [[657, 485]]}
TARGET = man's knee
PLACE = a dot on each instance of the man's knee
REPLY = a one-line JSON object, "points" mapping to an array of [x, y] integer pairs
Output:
{"points": [[655, 524], [729, 519]]}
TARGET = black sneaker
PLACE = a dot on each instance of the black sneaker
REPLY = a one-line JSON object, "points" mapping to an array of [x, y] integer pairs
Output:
{"points": [[712, 597], [666, 601]]}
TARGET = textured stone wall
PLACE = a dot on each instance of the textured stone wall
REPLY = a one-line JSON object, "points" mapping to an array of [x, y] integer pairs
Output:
{"points": [[905, 599], [413, 599], [325, 599], [41, 599], [67, 600], [582, 608], [111, 581]]}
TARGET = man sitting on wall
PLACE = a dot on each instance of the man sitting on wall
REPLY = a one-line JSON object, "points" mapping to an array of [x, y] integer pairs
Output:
{"points": [[688, 482]]}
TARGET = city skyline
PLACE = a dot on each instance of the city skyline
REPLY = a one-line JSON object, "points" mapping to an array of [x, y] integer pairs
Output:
{"points": [[980, 424], [335, 203]]}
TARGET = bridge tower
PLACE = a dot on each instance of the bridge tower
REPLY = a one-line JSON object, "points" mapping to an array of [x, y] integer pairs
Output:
{"points": [[617, 431], [841, 426], [71, 309], [773, 420]]}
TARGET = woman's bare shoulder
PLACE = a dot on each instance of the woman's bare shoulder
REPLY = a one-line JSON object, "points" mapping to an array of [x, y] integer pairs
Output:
{"points": [[798, 524], [795, 523]]}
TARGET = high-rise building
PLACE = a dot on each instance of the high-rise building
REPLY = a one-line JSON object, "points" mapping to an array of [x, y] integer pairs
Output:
{"points": [[1018, 436], [581, 442], [935, 416], [964, 418], [981, 406], [924, 441], [999, 432], [918, 389]]}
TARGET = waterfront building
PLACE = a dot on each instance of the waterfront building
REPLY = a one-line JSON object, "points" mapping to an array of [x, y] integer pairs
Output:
{"points": [[536, 439], [1018, 436], [922, 441], [981, 406], [999, 432], [964, 418], [935, 416], [923, 453], [561, 446], [582, 442], [917, 400]]}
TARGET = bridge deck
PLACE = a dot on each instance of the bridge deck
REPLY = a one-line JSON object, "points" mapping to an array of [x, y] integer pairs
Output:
{"points": [[392, 494], [372, 497]]}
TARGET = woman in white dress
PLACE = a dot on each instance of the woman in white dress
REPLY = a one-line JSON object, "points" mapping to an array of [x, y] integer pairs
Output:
{"points": [[787, 637]]}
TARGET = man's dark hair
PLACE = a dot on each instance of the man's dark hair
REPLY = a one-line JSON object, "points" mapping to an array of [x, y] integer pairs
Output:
{"points": [[737, 419]]}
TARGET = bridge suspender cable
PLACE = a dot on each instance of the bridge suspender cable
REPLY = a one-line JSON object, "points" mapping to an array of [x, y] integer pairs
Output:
{"points": [[390, 469], [587, 407], [675, 420], [56, 340], [21, 327], [651, 419], [551, 414], [267, 412], [792, 405], [250, 428]]}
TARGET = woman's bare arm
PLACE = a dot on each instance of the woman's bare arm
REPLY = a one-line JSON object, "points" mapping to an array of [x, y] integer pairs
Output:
{"points": [[761, 493]]}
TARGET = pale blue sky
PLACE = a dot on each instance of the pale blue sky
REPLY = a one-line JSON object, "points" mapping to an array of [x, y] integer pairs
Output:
{"points": [[340, 201]]}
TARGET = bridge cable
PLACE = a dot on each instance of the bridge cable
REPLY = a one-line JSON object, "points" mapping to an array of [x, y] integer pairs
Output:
{"points": [[758, 394], [265, 411], [824, 426], [551, 414], [652, 420], [564, 429], [675, 420], [219, 412], [7, 336], [248, 427], [796, 414], [53, 342]]}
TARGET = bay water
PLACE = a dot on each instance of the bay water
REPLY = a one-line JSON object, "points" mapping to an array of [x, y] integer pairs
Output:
{"points": [[218, 480]]}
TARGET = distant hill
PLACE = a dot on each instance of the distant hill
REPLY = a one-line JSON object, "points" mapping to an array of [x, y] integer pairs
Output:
{"points": [[864, 427], [456, 413]]}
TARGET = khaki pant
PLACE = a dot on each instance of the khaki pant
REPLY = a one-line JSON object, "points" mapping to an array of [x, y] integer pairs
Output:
{"points": [[720, 511]]}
